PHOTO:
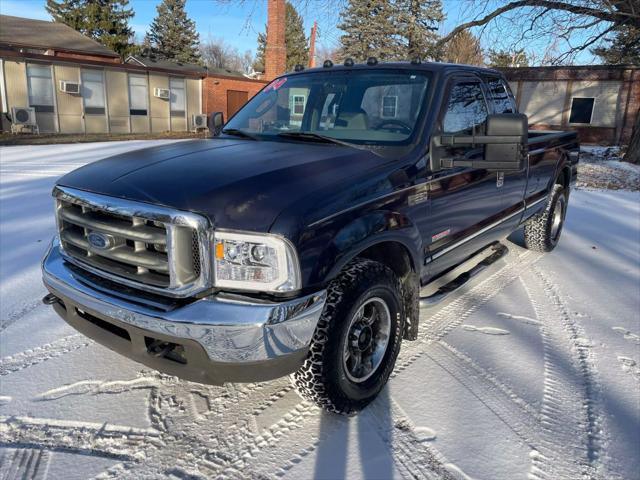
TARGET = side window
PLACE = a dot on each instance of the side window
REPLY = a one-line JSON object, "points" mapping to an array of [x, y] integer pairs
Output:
{"points": [[177, 101], [138, 94], [93, 92], [500, 96], [466, 109], [40, 87]]}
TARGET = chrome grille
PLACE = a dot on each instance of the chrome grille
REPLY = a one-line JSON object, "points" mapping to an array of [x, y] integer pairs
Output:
{"points": [[159, 250]]}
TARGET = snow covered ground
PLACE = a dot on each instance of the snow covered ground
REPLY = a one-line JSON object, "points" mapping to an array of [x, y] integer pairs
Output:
{"points": [[533, 371]]}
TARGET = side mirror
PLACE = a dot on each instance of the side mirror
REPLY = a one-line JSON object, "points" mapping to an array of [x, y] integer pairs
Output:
{"points": [[216, 122], [505, 144]]}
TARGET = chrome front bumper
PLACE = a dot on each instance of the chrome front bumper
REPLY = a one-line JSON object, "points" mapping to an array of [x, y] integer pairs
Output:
{"points": [[234, 334]]}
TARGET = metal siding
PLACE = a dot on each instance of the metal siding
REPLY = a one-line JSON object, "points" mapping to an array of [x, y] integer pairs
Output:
{"points": [[178, 124], [15, 74], [193, 100], [159, 108], [117, 87], [96, 123], [543, 102], [139, 124], [69, 105]]}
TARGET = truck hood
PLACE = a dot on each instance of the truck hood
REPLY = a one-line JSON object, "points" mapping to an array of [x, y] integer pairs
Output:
{"points": [[237, 184]]}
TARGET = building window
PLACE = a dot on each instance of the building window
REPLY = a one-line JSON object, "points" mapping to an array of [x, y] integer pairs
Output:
{"points": [[40, 86], [93, 91], [581, 110], [389, 106], [176, 86], [138, 95], [298, 104]]}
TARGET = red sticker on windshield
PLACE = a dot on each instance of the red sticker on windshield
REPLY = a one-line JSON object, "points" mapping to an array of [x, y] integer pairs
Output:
{"points": [[276, 84]]}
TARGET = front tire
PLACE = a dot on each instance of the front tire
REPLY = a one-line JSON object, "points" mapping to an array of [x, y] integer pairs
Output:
{"points": [[542, 231], [357, 339]]}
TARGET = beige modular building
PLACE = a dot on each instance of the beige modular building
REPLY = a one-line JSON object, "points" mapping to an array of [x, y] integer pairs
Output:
{"points": [[53, 79]]}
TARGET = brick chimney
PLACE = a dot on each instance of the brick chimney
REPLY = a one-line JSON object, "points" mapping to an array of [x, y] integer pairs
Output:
{"points": [[312, 46], [276, 51]]}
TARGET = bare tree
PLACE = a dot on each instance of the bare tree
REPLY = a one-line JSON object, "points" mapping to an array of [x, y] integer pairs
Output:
{"points": [[580, 24], [216, 53]]}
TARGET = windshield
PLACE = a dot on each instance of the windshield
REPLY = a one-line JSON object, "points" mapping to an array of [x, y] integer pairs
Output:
{"points": [[360, 106]]}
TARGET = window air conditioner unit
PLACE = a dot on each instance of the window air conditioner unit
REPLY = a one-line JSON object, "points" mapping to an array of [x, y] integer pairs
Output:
{"points": [[161, 93], [199, 121], [69, 87]]}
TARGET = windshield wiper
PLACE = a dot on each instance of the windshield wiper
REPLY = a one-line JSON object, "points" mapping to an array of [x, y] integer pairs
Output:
{"points": [[239, 133], [314, 137]]}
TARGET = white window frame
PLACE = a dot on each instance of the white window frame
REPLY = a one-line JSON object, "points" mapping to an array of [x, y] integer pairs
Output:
{"points": [[593, 108], [104, 92], [395, 106], [293, 104], [146, 95], [183, 112], [52, 85]]}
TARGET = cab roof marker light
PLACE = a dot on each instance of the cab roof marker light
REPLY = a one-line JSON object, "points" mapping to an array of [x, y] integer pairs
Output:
{"points": [[327, 64]]}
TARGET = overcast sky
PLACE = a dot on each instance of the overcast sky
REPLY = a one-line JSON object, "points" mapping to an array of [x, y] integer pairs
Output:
{"points": [[239, 22]]}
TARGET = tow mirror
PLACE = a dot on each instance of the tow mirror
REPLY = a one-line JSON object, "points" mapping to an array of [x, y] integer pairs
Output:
{"points": [[216, 122], [505, 144]]}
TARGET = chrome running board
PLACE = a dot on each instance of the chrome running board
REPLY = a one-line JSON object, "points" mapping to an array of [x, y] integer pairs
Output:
{"points": [[436, 291]]}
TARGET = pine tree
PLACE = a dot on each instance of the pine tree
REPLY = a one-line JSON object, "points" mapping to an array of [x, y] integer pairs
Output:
{"points": [[464, 48], [506, 58], [173, 34], [418, 25], [106, 21], [294, 39], [622, 48], [371, 30]]}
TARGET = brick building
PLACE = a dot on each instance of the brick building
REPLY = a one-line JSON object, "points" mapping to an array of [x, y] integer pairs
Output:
{"points": [[601, 102]]}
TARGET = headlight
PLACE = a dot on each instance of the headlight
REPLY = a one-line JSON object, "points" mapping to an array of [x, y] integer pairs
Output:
{"points": [[249, 261]]}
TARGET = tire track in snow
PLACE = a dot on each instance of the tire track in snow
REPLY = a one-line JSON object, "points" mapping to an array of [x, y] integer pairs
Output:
{"points": [[571, 425], [24, 463], [37, 355], [513, 411]]}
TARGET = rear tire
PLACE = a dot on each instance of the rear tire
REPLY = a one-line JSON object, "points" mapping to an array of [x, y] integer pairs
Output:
{"points": [[357, 339], [542, 231]]}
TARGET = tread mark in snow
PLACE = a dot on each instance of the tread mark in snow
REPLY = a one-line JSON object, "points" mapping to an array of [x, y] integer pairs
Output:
{"points": [[513, 411], [24, 463], [571, 425], [35, 356]]}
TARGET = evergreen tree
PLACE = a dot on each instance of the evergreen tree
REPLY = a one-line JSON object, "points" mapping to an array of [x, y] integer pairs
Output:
{"points": [[418, 25], [506, 58], [106, 21], [294, 39], [623, 48], [371, 30], [173, 34], [464, 48]]}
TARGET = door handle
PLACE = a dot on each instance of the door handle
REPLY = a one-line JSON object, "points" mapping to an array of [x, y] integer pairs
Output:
{"points": [[499, 179]]}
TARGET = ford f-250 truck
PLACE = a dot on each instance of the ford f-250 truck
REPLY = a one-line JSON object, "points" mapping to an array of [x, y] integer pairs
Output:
{"points": [[298, 238]]}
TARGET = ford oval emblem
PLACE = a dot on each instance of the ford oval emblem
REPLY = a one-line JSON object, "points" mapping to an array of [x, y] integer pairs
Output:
{"points": [[100, 241]]}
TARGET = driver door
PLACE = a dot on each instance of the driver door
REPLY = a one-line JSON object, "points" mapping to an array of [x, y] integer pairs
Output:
{"points": [[464, 201]]}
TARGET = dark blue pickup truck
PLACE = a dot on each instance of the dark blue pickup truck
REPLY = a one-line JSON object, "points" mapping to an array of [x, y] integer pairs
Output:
{"points": [[299, 238]]}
